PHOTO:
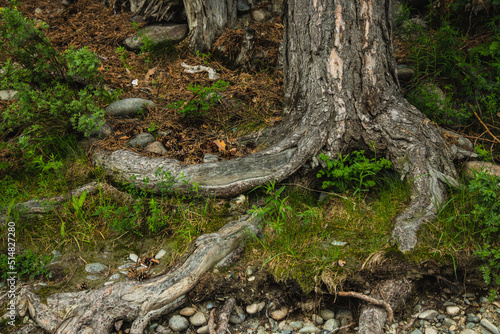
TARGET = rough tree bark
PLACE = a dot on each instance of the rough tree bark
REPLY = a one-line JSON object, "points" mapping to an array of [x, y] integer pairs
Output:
{"points": [[341, 93], [207, 19]]}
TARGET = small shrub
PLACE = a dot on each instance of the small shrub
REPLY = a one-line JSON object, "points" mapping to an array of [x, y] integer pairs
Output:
{"points": [[485, 190], [353, 171], [204, 98], [27, 265]]}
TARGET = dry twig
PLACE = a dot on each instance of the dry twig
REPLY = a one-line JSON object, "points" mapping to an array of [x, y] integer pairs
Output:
{"points": [[382, 303]]}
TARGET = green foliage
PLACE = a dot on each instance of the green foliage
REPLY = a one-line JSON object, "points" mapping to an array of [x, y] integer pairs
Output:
{"points": [[28, 265], [123, 56], [56, 93], [204, 98], [485, 190], [354, 171], [275, 211]]}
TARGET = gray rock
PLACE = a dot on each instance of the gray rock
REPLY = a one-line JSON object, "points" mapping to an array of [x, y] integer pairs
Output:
{"points": [[102, 132], [430, 330], [331, 324], [479, 166], [163, 330], [428, 315], [129, 107], [310, 329], [327, 314], [210, 305], [157, 33], [468, 331], [133, 257], [95, 268], [109, 283], [489, 326], [260, 15], [125, 266], [296, 324], [141, 139], [255, 307], [202, 330], [115, 277], [405, 74], [156, 147], [318, 320], [417, 331], [473, 318], [236, 318], [198, 319], [483, 300], [242, 6], [449, 322], [210, 158], [160, 254], [470, 325], [92, 277], [178, 323], [452, 310], [6, 95]]}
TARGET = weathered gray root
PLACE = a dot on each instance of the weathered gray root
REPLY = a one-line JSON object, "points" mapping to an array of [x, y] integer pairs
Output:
{"points": [[96, 311], [395, 292]]}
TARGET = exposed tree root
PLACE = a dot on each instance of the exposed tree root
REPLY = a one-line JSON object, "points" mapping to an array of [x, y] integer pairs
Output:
{"points": [[371, 300], [96, 311]]}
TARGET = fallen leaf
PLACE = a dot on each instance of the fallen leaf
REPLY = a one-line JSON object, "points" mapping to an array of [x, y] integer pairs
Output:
{"points": [[124, 137], [233, 151], [150, 73], [220, 144], [342, 263]]}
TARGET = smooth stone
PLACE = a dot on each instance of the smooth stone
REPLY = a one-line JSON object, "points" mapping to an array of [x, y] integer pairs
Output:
{"points": [[331, 324], [125, 266], [202, 330], [260, 15], [405, 74], [208, 158], [428, 314], [102, 132], [296, 324], [483, 300], [160, 254], [279, 314], [141, 139], [157, 148], [256, 307], [109, 283], [209, 305], [188, 311], [249, 271], [473, 318], [452, 310], [327, 314], [92, 277], [6, 95], [489, 326], [470, 325], [133, 257], [157, 33], [95, 268], [449, 322], [198, 319], [310, 329], [318, 320], [468, 331], [242, 6], [178, 323], [417, 331], [430, 330], [236, 318], [115, 277], [129, 107]]}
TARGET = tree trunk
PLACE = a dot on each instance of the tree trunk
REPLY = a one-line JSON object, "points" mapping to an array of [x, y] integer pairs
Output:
{"points": [[341, 94], [207, 20]]}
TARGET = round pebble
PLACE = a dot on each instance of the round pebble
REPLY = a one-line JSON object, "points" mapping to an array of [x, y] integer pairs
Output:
{"points": [[327, 314], [279, 314], [188, 311], [198, 319], [178, 323], [95, 268], [309, 329], [452, 310]]}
